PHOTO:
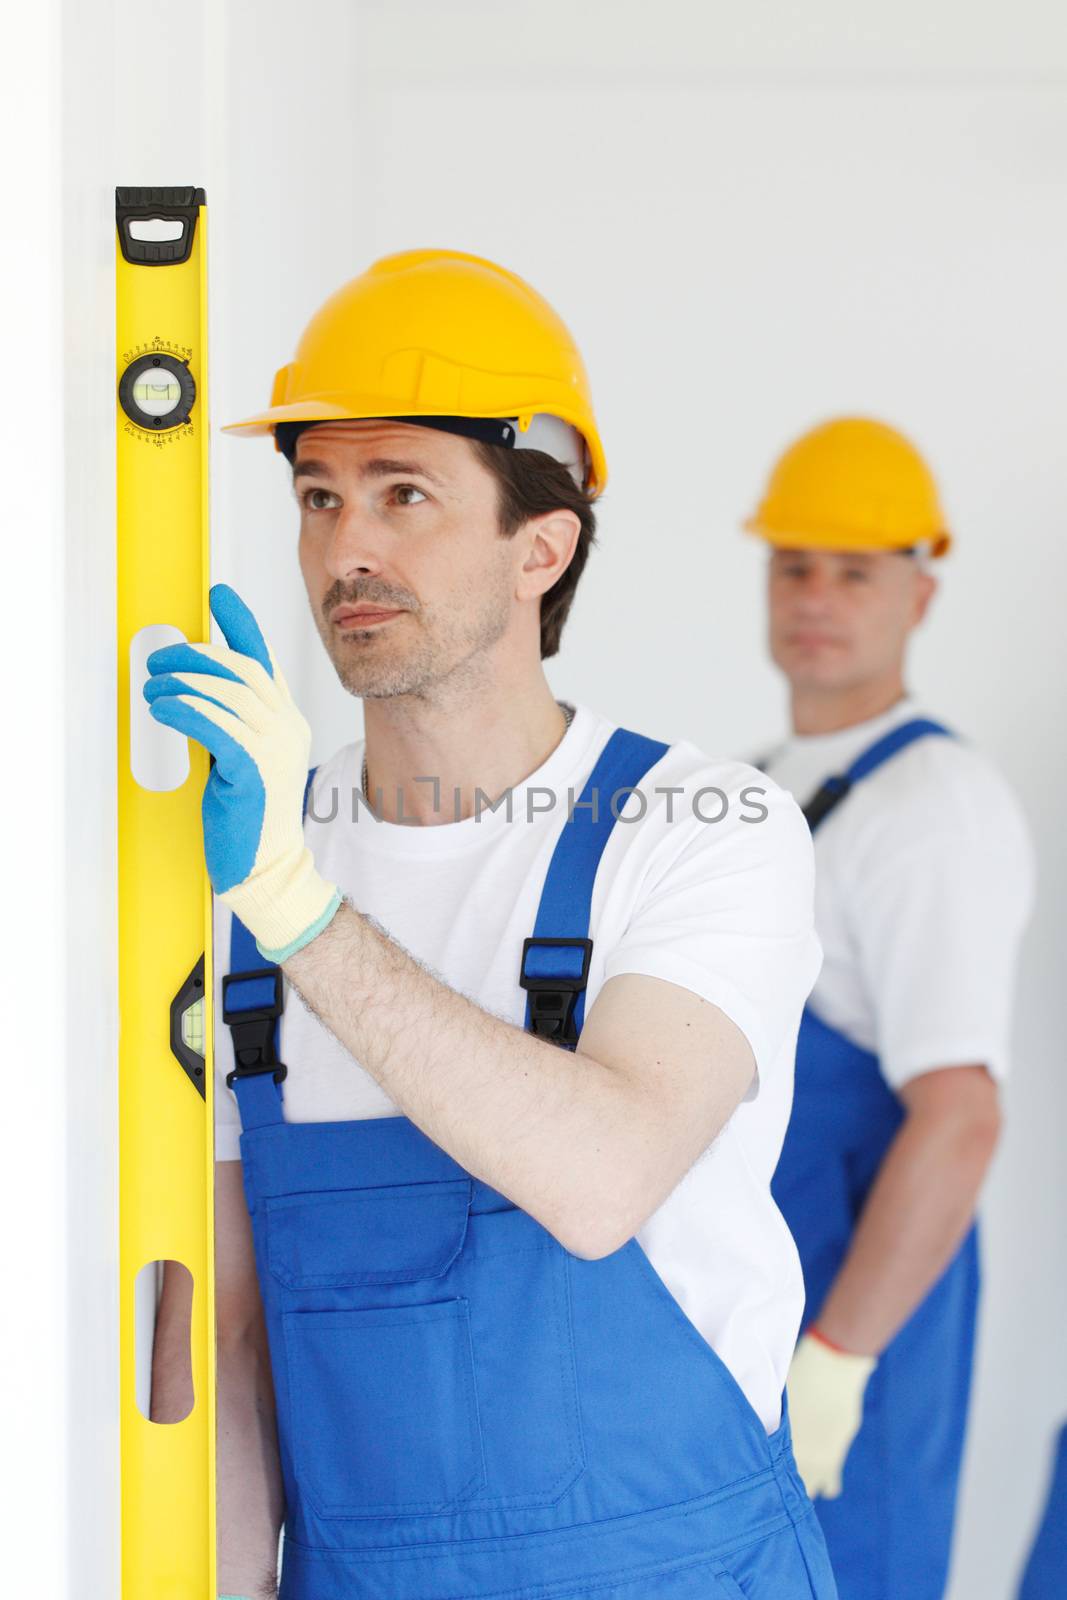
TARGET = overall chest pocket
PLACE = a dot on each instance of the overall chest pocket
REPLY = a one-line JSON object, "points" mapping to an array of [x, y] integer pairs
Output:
{"points": [[428, 1352], [381, 1410], [342, 1238]]}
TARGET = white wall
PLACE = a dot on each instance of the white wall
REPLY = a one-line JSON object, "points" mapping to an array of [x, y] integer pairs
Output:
{"points": [[33, 1177], [751, 217]]}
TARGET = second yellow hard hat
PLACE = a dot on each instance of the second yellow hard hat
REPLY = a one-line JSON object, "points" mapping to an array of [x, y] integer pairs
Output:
{"points": [[436, 333], [851, 484]]}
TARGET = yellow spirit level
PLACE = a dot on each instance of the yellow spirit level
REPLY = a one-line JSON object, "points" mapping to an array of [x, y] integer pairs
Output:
{"points": [[165, 1079]]}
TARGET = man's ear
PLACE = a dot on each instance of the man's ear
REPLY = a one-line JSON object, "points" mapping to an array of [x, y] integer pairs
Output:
{"points": [[926, 587], [550, 541]]}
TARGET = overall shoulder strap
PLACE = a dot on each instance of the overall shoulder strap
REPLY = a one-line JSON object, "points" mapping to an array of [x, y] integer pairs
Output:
{"points": [[835, 788], [555, 959], [253, 998]]}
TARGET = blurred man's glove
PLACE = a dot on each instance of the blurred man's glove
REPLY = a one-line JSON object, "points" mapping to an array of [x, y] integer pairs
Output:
{"points": [[236, 702], [825, 1388]]}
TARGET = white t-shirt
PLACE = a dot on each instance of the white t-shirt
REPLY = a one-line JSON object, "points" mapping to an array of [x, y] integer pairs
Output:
{"points": [[924, 884], [721, 907]]}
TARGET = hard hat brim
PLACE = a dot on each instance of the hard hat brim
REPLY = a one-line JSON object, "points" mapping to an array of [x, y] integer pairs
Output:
{"points": [[350, 408], [353, 408], [844, 539]]}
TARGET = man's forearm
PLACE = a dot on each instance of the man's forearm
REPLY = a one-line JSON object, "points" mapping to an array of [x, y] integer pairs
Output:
{"points": [[250, 1498], [557, 1134], [172, 1378], [918, 1210]]}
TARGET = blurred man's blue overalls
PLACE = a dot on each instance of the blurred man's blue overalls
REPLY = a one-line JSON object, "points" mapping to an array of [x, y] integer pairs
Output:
{"points": [[889, 1533]]}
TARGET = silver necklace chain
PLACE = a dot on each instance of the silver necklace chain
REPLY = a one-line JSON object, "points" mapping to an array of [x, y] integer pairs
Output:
{"points": [[568, 715]]}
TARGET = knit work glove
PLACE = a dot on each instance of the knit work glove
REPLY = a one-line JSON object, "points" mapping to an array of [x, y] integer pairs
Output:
{"points": [[234, 700], [825, 1389]]}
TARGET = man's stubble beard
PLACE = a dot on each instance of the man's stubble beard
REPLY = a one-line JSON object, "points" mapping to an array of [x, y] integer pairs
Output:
{"points": [[439, 651]]}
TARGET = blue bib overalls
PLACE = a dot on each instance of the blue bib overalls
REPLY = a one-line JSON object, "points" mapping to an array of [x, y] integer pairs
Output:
{"points": [[889, 1532], [1045, 1574], [465, 1409]]}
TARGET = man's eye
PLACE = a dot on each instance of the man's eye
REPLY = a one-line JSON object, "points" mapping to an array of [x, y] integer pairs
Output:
{"points": [[310, 501], [857, 574], [406, 489]]}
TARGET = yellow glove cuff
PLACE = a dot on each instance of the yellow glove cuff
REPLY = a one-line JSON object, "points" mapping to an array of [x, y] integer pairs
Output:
{"points": [[285, 904]]}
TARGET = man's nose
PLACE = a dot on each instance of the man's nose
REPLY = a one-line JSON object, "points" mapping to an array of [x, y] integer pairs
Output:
{"points": [[355, 546], [814, 588]]}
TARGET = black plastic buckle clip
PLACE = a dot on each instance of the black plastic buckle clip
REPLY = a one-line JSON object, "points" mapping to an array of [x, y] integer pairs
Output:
{"points": [[552, 999], [253, 1030], [825, 799]]}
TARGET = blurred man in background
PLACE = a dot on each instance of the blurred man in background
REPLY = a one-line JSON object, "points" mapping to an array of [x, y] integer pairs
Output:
{"points": [[924, 882]]}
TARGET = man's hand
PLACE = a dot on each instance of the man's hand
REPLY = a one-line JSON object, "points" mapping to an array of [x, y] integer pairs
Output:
{"points": [[236, 702], [919, 1208], [825, 1390]]}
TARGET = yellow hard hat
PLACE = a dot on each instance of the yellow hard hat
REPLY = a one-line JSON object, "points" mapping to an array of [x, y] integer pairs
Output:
{"points": [[436, 334], [851, 484]]}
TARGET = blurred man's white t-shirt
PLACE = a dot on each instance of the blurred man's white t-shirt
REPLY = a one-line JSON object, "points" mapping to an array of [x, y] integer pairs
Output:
{"points": [[924, 884]]}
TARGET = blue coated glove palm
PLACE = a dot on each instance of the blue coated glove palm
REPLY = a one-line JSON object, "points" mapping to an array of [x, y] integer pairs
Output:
{"points": [[234, 700]]}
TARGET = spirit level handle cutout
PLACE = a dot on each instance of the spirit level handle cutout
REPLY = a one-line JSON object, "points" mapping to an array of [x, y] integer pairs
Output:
{"points": [[163, 1309], [156, 230], [159, 756]]}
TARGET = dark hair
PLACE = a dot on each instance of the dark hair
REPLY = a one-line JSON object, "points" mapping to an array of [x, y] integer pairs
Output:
{"points": [[528, 484]]}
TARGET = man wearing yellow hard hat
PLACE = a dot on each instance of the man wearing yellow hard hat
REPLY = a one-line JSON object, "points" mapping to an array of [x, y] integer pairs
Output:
{"points": [[505, 1304], [924, 880]]}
